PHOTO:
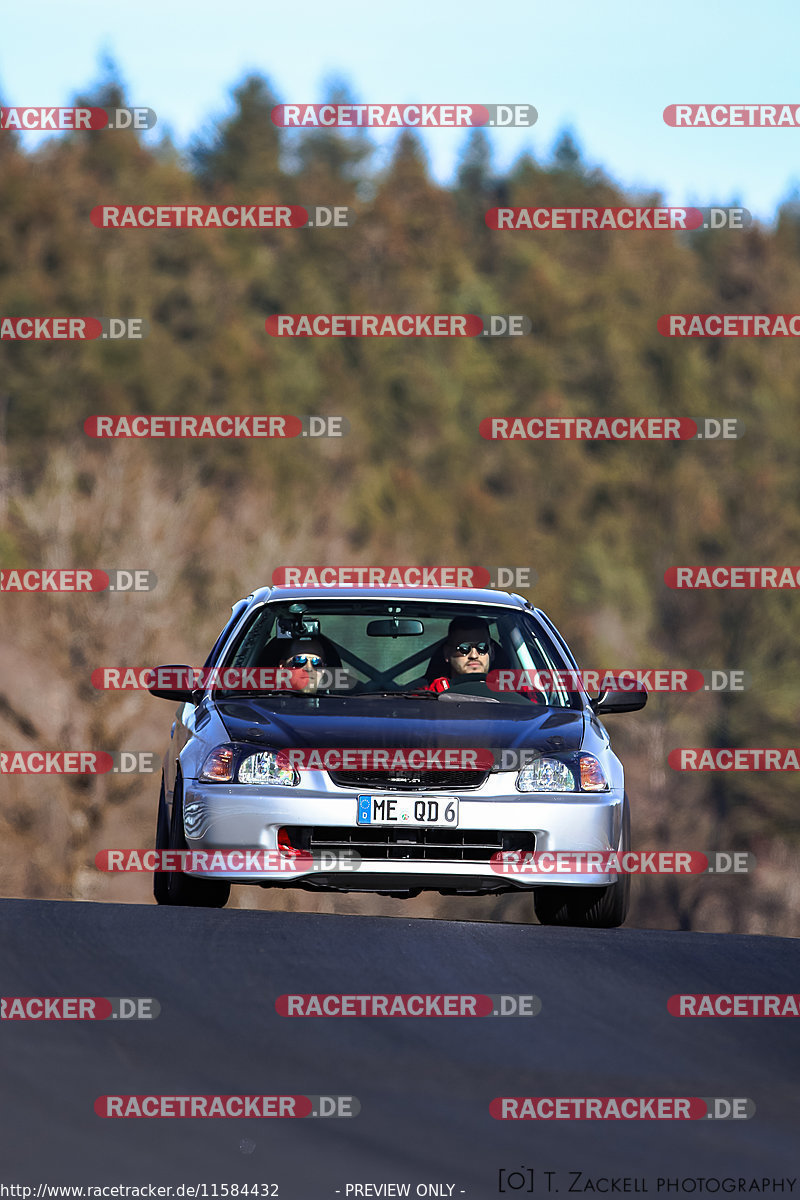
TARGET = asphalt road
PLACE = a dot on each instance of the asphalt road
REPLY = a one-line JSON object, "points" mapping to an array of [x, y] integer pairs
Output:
{"points": [[424, 1084]]}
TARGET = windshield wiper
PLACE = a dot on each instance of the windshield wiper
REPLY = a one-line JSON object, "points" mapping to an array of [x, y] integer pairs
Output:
{"points": [[416, 694], [227, 692]]}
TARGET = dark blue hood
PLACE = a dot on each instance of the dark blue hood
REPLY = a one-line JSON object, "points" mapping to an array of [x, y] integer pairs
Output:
{"points": [[380, 722]]}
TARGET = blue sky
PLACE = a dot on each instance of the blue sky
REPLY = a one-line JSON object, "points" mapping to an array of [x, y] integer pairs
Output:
{"points": [[605, 70]]}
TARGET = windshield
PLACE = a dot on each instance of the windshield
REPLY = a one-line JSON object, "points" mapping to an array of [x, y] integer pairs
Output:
{"points": [[371, 648]]}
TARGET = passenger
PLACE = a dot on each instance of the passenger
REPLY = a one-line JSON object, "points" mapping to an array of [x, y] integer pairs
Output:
{"points": [[305, 659]]}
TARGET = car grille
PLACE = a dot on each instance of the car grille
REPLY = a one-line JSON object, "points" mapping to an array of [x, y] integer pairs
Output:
{"points": [[450, 781], [412, 845]]}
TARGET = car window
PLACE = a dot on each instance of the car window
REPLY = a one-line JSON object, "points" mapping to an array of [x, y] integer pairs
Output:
{"points": [[376, 664], [230, 625]]}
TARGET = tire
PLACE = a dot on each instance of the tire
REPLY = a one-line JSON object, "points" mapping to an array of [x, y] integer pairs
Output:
{"points": [[173, 887], [162, 843], [589, 907]]}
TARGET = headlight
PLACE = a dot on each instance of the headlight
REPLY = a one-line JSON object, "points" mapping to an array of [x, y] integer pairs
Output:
{"points": [[262, 767], [577, 773], [265, 768]]}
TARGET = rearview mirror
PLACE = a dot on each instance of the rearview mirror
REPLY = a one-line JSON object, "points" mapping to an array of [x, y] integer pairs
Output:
{"points": [[395, 627]]}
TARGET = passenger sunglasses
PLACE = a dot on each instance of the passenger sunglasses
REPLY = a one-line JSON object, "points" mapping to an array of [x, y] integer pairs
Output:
{"points": [[463, 648], [300, 660]]}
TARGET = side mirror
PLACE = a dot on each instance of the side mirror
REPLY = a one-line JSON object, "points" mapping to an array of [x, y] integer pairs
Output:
{"points": [[619, 702], [171, 683]]}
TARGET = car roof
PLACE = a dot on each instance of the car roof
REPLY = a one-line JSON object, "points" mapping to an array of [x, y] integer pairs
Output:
{"points": [[478, 596]]}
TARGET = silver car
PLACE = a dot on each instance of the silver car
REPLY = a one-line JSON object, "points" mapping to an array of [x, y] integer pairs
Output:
{"points": [[391, 741]]}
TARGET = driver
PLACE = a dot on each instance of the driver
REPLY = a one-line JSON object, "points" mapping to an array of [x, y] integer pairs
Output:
{"points": [[467, 652]]}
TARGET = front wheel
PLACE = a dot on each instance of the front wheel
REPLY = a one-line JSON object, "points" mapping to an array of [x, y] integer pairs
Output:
{"points": [[590, 907], [173, 887]]}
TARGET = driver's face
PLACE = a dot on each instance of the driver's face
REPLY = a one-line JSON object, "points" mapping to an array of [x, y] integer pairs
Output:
{"points": [[471, 662]]}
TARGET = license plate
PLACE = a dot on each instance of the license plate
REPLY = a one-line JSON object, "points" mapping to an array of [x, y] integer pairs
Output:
{"points": [[408, 811]]}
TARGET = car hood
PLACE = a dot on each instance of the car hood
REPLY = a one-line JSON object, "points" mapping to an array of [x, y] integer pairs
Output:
{"points": [[377, 723]]}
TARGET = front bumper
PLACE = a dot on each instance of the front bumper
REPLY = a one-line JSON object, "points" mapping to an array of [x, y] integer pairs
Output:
{"points": [[242, 817]]}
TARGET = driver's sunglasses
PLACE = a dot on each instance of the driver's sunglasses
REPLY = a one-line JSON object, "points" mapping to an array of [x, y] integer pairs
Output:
{"points": [[300, 660], [463, 648]]}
